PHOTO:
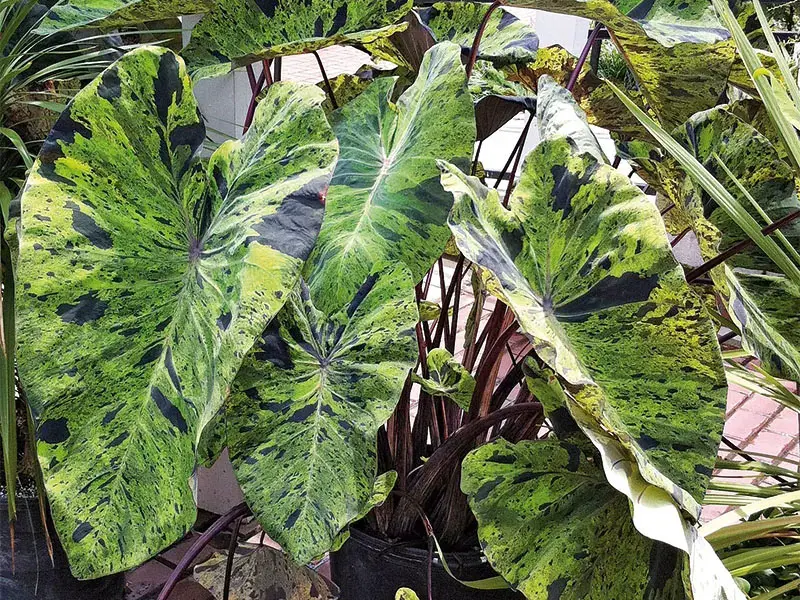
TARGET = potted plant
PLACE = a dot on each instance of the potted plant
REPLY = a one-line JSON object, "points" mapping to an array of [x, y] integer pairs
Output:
{"points": [[169, 308]]}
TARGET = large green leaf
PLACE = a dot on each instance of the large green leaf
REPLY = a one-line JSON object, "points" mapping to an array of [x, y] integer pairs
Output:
{"points": [[115, 13], [235, 33], [143, 281], [505, 40], [385, 202], [764, 304], [582, 258], [678, 51], [305, 409], [554, 528]]}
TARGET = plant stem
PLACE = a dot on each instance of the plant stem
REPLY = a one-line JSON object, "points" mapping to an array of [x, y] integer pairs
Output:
{"points": [[473, 55], [326, 80], [573, 79]]}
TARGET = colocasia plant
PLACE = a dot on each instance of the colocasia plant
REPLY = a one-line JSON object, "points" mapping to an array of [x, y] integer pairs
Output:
{"points": [[275, 299]]}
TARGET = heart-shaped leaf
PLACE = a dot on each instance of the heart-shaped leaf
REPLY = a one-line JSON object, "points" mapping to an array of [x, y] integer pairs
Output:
{"points": [[143, 280], [268, 28], [385, 202], [305, 409], [551, 524], [582, 258]]}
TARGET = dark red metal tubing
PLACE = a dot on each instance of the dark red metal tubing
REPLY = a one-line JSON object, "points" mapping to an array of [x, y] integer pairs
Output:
{"points": [[473, 55], [216, 527], [251, 109], [573, 79], [741, 246], [251, 77]]}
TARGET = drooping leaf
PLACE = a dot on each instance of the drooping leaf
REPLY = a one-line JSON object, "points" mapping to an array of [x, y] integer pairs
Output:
{"points": [[497, 100], [764, 305], [385, 202], [554, 528], [505, 40], [679, 52], [306, 406], [447, 377], [263, 572], [268, 28], [143, 281], [582, 258], [116, 13]]}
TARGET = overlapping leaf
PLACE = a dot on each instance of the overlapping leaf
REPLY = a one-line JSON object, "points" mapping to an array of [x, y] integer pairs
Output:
{"points": [[505, 39], [235, 33], [385, 202], [554, 528], [497, 100], [306, 406], [115, 13], [763, 301], [679, 52], [143, 281], [581, 257]]}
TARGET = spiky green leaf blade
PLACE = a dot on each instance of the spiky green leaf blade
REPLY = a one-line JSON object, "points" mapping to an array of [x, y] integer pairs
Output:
{"points": [[306, 406], [269, 28], [143, 281], [679, 52], [582, 258], [552, 526], [75, 14], [385, 202], [447, 377], [505, 40]]}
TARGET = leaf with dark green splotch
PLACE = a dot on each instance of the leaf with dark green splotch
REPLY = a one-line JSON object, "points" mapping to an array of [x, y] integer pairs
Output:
{"points": [[582, 258], [764, 305], [506, 39], [116, 13], [385, 203], [497, 100], [306, 406], [447, 377], [678, 51], [553, 527], [143, 280], [269, 28]]}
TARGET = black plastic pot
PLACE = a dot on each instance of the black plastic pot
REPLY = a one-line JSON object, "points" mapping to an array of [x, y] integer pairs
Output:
{"points": [[34, 576], [368, 568]]}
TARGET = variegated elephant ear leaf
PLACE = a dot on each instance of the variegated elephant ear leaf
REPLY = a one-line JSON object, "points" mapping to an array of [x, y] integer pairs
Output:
{"points": [[385, 202], [761, 299], [505, 40], [582, 258], [497, 100], [553, 527], [268, 28], [74, 14], [662, 41], [306, 406], [143, 281]]}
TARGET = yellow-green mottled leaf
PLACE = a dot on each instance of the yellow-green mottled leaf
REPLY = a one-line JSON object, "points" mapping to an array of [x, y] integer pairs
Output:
{"points": [[143, 279], [447, 377], [306, 406], [582, 258], [235, 33], [678, 51], [385, 202], [116, 13], [550, 523]]}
